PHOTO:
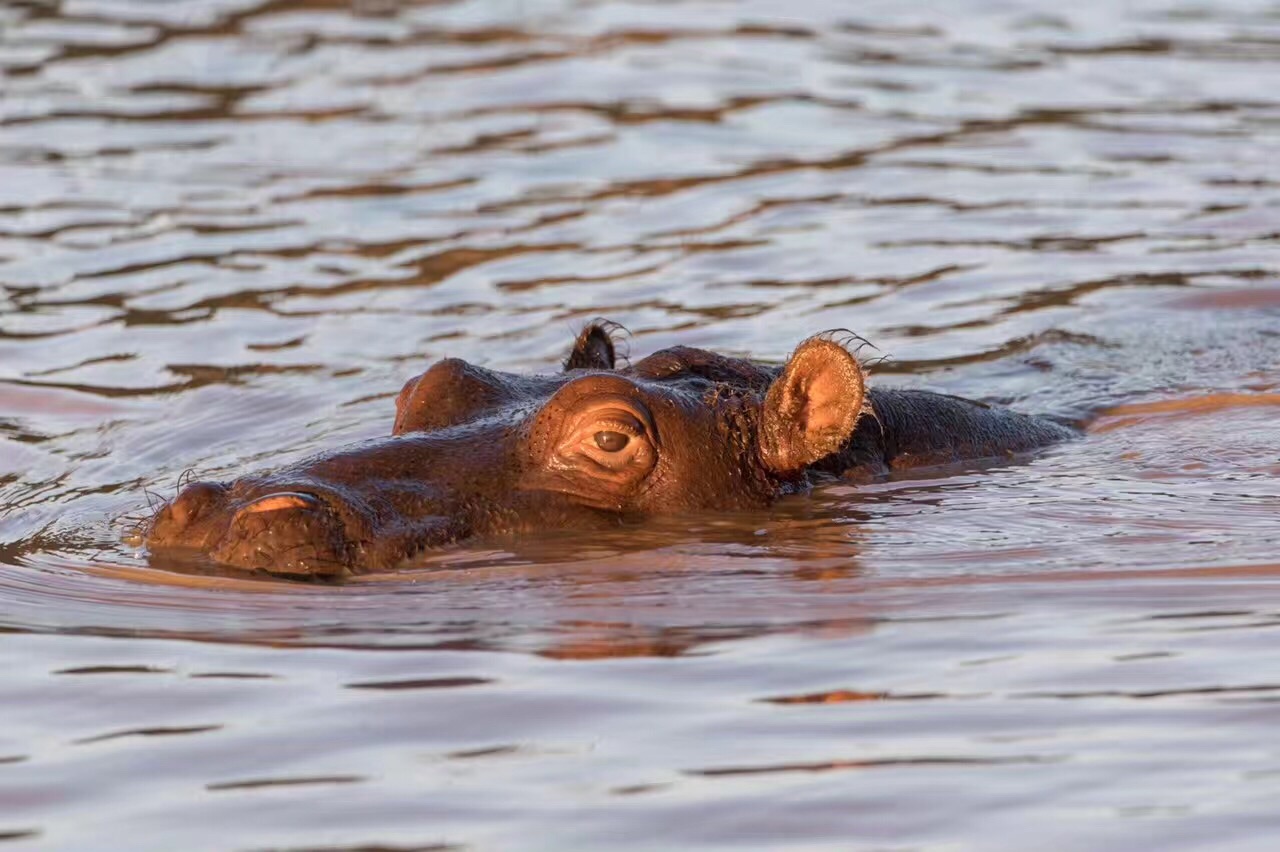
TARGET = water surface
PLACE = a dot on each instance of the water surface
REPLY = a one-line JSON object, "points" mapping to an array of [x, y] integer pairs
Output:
{"points": [[231, 229]]}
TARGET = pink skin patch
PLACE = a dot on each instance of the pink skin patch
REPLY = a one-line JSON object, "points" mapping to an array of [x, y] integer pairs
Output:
{"points": [[276, 502]]}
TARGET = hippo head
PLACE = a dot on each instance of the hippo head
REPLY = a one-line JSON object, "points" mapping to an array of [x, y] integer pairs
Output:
{"points": [[480, 452]]}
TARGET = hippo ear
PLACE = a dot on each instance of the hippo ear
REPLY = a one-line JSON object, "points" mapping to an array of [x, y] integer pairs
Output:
{"points": [[594, 348], [812, 407]]}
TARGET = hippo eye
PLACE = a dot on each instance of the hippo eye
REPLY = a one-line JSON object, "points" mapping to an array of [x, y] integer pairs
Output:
{"points": [[612, 442], [601, 449]]}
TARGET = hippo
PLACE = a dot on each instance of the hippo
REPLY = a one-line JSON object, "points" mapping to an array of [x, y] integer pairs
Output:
{"points": [[478, 452]]}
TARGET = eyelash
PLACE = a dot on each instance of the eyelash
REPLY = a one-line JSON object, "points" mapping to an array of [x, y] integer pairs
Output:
{"points": [[616, 426]]}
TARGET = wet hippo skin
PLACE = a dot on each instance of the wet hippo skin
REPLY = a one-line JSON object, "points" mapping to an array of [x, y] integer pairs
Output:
{"points": [[478, 452]]}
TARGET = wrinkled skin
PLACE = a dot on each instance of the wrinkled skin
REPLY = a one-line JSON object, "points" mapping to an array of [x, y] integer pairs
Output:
{"points": [[478, 452]]}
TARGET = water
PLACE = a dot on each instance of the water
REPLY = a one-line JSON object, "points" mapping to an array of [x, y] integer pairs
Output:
{"points": [[230, 229]]}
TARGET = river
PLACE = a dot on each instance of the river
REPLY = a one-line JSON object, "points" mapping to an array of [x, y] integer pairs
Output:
{"points": [[231, 229]]}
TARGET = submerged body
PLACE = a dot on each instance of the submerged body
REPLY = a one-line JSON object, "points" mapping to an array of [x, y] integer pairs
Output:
{"points": [[477, 452]]}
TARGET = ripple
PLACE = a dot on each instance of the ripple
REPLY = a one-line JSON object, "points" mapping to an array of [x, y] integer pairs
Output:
{"points": [[97, 670], [870, 763], [844, 696], [421, 683], [149, 732], [20, 834], [262, 783]]}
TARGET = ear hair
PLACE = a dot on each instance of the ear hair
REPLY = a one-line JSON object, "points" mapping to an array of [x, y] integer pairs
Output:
{"points": [[595, 347], [844, 338], [811, 409], [854, 343]]}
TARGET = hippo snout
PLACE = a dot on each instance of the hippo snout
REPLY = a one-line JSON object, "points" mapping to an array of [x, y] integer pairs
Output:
{"points": [[191, 517], [283, 532]]}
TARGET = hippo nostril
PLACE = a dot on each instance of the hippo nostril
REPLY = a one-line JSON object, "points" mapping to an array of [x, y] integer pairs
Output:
{"points": [[281, 500], [286, 532]]}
